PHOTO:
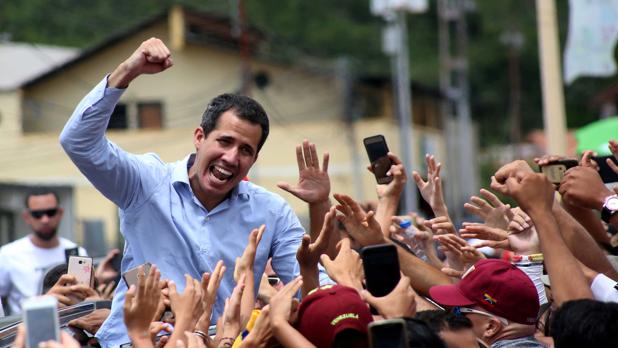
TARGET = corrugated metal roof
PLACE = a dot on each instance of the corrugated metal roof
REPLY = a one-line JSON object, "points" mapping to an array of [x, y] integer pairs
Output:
{"points": [[22, 62]]}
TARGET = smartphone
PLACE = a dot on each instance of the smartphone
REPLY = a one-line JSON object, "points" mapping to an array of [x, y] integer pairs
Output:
{"points": [[70, 252], [81, 268], [381, 265], [606, 173], [40, 316], [377, 150], [130, 276], [555, 170], [389, 333]]}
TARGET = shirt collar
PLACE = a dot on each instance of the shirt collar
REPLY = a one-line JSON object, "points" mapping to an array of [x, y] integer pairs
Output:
{"points": [[180, 174]]}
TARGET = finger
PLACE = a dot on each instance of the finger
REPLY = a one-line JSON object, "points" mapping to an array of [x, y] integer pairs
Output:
{"points": [[452, 272], [479, 202], [612, 165], [497, 186], [418, 180], [315, 162], [260, 233], [325, 159], [307, 153], [472, 209], [491, 198], [368, 297], [300, 160], [128, 297]]}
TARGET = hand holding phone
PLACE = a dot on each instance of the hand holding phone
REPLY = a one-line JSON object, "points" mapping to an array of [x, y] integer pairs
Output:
{"points": [[377, 150], [555, 170], [40, 316], [381, 266], [81, 268], [389, 333], [130, 276]]}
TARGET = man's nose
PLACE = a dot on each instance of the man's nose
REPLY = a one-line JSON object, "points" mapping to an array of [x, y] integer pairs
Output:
{"points": [[231, 156], [45, 218]]}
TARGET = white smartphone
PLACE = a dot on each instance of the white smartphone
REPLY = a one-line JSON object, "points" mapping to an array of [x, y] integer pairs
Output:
{"points": [[81, 268], [40, 316]]}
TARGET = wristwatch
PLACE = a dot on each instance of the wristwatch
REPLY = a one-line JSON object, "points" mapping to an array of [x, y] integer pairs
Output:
{"points": [[610, 206]]}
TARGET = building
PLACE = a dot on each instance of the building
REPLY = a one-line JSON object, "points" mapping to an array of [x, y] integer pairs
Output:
{"points": [[159, 113]]}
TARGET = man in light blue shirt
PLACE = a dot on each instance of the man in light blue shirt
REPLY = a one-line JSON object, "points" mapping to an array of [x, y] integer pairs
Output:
{"points": [[187, 215]]}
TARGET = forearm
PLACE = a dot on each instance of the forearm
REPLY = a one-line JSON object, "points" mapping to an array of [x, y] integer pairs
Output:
{"points": [[182, 324], [590, 221], [142, 343], [581, 244], [311, 279], [422, 276], [289, 337], [317, 211], [247, 302], [387, 207], [567, 279]]}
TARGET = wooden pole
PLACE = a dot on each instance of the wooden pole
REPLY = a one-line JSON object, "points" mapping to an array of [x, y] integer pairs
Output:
{"points": [[553, 97]]}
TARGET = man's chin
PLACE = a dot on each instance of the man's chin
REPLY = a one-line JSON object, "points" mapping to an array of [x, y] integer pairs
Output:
{"points": [[46, 236]]}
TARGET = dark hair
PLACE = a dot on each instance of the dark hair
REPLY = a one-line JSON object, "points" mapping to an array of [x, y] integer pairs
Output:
{"points": [[439, 320], [51, 276], [350, 338], [420, 335], [40, 191], [243, 107], [585, 323]]}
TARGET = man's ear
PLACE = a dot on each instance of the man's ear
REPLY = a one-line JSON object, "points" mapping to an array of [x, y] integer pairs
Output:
{"points": [[492, 327], [26, 216], [198, 137]]}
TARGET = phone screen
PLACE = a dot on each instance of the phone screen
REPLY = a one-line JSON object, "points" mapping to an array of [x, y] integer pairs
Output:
{"points": [[605, 171], [377, 150], [41, 326], [388, 334], [381, 265]]}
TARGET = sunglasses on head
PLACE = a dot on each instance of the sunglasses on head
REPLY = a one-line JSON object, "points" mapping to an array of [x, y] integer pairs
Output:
{"points": [[37, 214], [466, 310], [273, 280]]}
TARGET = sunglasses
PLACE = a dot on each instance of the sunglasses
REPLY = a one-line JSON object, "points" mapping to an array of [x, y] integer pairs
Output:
{"points": [[273, 280], [466, 310], [37, 214]]}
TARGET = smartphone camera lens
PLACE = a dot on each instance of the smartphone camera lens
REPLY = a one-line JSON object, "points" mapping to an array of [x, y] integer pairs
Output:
{"points": [[80, 262]]}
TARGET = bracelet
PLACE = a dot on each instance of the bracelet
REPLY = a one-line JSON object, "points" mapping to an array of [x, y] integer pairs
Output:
{"points": [[534, 258], [201, 334]]}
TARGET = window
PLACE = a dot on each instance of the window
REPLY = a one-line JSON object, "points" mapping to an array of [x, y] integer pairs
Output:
{"points": [[149, 115], [137, 115], [119, 118]]}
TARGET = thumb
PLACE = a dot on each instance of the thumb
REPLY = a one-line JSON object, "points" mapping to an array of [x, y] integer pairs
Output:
{"points": [[284, 186], [325, 261], [368, 297]]}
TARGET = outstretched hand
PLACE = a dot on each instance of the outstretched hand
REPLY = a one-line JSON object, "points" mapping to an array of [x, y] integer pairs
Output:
{"points": [[400, 302], [361, 226], [308, 254], [313, 183], [431, 190], [490, 209]]}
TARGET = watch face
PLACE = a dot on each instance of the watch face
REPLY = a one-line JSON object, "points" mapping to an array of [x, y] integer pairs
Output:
{"points": [[612, 203]]}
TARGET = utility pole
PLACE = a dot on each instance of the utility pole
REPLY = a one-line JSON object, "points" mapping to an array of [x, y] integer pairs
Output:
{"points": [[553, 96], [396, 45], [239, 31], [462, 174]]}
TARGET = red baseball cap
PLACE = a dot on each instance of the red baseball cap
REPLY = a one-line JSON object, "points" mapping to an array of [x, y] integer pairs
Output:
{"points": [[328, 311], [495, 285]]}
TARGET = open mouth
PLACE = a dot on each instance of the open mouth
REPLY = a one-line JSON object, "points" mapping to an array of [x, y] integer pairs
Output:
{"points": [[221, 174]]}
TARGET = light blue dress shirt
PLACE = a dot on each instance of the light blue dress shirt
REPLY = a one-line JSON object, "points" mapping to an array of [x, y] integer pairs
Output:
{"points": [[161, 219]]}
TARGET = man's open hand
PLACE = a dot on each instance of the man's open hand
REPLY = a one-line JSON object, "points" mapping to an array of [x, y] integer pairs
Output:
{"points": [[313, 183]]}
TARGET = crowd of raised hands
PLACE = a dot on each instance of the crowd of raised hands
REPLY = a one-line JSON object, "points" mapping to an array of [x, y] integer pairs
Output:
{"points": [[556, 227]]}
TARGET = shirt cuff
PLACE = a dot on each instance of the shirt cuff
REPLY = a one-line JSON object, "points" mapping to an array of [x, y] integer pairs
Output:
{"points": [[604, 289]]}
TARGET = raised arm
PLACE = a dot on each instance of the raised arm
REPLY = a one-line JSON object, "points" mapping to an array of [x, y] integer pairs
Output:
{"points": [[111, 170]]}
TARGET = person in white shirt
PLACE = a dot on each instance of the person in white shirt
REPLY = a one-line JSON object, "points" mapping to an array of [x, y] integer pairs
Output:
{"points": [[24, 261]]}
